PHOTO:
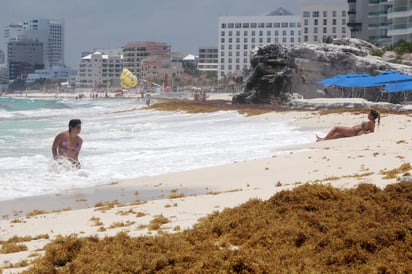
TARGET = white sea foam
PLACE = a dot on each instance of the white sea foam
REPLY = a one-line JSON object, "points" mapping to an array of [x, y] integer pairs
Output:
{"points": [[122, 142]]}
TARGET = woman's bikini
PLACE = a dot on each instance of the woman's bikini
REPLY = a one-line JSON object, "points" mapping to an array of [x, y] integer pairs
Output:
{"points": [[363, 127], [64, 145]]}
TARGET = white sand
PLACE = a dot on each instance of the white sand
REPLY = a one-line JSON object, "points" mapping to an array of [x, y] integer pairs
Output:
{"points": [[345, 162]]}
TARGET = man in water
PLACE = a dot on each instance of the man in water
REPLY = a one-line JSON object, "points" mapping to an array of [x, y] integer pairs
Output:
{"points": [[67, 144]]}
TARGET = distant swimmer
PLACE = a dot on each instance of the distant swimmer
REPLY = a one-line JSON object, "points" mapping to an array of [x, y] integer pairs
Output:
{"points": [[363, 128], [67, 144]]}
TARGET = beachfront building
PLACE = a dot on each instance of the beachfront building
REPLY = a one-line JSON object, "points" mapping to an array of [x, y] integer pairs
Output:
{"points": [[324, 20], [62, 73], [50, 32], [379, 22], [238, 35], [135, 52], [208, 59], [160, 71], [100, 69], [357, 19], [24, 56], [2, 57], [400, 14], [4, 75]]}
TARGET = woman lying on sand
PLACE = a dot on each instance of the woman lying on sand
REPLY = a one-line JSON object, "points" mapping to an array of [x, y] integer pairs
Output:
{"points": [[363, 128]]}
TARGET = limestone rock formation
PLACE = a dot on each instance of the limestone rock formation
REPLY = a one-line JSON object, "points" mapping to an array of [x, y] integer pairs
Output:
{"points": [[277, 72]]}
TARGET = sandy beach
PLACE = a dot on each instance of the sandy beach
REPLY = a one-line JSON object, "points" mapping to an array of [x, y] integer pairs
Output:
{"points": [[342, 163]]}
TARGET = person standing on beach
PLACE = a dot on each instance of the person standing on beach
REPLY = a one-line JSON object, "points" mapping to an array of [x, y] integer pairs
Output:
{"points": [[148, 98], [67, 144], [363, 128]]}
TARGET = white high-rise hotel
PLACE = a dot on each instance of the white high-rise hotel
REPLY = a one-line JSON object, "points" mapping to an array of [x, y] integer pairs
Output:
{"points": [[238, 35]]}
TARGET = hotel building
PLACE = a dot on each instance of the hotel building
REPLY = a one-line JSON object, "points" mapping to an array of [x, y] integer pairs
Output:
{"points": [[399, 15], [208, 59], [100, 68], [238, 35], [135, 52], [324, 20]]}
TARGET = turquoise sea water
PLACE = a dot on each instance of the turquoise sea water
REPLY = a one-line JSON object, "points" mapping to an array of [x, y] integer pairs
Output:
{"points": [[124, 141]]}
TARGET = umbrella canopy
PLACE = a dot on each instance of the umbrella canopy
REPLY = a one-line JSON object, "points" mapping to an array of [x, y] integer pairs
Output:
{"points": [[357, 80], [331, 80], [400, 86], [391, 77]]}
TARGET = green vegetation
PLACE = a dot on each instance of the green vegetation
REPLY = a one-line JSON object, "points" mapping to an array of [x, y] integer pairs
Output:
{"points": [[311, 229]]}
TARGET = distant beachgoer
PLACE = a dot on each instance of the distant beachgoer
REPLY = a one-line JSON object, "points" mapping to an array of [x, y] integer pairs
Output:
{"points": [[147, 98], [360, 129], [67, 144]]}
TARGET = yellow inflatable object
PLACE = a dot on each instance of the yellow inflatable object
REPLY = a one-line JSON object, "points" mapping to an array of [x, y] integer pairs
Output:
{"points": [[127, 79]]}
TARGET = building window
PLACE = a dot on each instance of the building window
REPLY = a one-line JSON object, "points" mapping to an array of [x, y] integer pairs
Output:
{"points": [[334, 30], [222, 33], [284, 25], [344, 13], [268, 25], [230, 33], [305, 30], [237, 33], [268, 40], [315, 22], [253, 25], [223, 26], [306, 14], [325, 22], [276, 25], [268, 33], [230, 25], [325, 13], [334, 13], [238, 25], [325, 30], [245, 25], [292, 25], [306, 22], [315, 30], [315, 13], [261, 25], [245, 33]]}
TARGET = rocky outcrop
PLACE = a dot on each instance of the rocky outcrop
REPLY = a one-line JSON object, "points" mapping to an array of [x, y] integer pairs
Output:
{"points": [[277, 72]]}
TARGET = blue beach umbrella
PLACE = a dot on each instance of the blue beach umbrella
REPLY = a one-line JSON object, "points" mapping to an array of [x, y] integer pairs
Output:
{"points": [[400, 86], [391, 77], [331, 80]]}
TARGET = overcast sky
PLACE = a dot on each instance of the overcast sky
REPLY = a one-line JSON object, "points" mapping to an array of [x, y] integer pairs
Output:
{"points": [[184, 24]]}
